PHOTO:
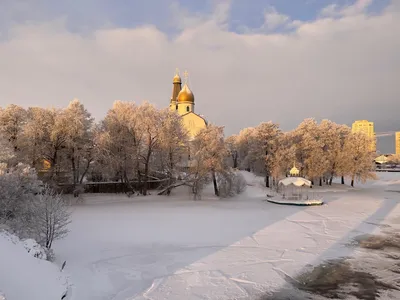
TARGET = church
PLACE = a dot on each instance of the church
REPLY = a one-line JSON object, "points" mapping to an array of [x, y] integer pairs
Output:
{"points": [[182, 101]]}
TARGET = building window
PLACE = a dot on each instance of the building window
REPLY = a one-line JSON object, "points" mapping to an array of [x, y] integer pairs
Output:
{"points": [[187, 108]]}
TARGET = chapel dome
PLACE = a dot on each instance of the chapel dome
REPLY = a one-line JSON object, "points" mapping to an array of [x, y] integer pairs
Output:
{"points": [[177, 79], [185, 95]]}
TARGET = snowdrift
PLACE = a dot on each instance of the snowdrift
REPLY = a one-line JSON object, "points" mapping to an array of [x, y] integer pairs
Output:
{"points": [[24, 274]]}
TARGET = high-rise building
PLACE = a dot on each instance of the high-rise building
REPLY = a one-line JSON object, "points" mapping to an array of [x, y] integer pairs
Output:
{"points": [[397, 142], [366, 127]]}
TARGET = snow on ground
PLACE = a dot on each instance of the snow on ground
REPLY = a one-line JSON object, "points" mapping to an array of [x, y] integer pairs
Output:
{"points": [[24, 276], [159, 247]]}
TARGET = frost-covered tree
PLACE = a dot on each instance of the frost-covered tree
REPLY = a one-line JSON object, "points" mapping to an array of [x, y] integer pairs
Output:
{"points": [[79, 140], [356, 160], [311, 150], [264, 144], [284, 158], [118, 141], [17, 186], [233, 149], [244, 140], [152, 122], [394, 159], [231, 183], [51, 217], [209, 154], [330, 140], [12, 120], [55, 142], [172, 148], [37, 135], [336, 168], [6, 150]]}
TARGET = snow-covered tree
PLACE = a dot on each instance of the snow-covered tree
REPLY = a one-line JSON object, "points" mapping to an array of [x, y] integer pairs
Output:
{"points": [[311, 150], [356, 159], [79, 140], [12, 120], [232, 146], [51, 217], [17, 186], [209, 154], [264, 143], [118, 140], [394, 159], [231, 183], [284, 158], [337, 139], [6, 151], [37, 135], [244, 141], [172, 148], [152, 122]]}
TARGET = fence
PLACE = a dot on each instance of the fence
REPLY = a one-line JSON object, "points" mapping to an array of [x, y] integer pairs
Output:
{"points": [[109, 187]]}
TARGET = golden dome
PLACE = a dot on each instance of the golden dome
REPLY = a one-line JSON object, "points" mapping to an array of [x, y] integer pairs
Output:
{"points": [[177, 79], [294, 171], [185, 95]]}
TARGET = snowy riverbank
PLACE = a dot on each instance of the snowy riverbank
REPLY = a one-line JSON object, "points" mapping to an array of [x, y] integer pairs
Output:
{"points": [[25, 274]]}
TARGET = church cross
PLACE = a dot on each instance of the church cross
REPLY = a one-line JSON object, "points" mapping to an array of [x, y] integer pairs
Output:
{"points": [[177, 71], [186, 75]]}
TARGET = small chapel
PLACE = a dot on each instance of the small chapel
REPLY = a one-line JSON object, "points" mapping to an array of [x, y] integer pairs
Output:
{"points": [[182, 101]]}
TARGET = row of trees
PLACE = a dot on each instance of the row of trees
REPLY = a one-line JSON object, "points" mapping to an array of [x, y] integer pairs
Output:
{"points": [[135, 144], [320, 151]]}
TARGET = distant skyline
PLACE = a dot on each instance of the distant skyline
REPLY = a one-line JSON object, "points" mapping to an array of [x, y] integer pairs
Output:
{"points": [[248, 61]]}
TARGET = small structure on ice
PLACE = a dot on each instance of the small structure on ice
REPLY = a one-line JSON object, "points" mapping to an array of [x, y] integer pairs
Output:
{"points": [[295, 191]]}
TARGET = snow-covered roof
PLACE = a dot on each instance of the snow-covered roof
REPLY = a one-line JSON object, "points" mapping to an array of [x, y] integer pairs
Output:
{"points": [[297, 181]]}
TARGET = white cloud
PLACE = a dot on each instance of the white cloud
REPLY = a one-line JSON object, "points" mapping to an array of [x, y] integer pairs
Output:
{"points": [[335, 10], [274, 19], [342, 68]]}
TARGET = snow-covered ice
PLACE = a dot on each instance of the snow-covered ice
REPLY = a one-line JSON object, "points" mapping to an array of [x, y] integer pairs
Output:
{"points": [[159, 247]]}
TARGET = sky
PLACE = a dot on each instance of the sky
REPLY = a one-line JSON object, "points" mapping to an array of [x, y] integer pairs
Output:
{"points": [[248, 61]]}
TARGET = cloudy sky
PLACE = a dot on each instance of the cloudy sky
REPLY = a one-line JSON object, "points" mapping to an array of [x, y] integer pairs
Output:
{"points": [[249, 60]]}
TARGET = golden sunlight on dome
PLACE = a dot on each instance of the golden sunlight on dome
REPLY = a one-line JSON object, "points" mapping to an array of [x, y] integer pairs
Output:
{"points": [[177, 78], [294, 171], [185, 95]]}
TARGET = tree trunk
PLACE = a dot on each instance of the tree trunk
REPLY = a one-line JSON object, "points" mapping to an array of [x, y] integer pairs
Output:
{"points": [[171, 167], [320, 181], [170, 187], [330, 180], [267, 181], [214, 178], [342, 179], [85, 171], [73, 165], [352, 181], [127, 182], [146, 178], [53, 164]]}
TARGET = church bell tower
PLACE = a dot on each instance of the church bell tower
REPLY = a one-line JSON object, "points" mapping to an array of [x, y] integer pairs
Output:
{"points": [[177, 82]]}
